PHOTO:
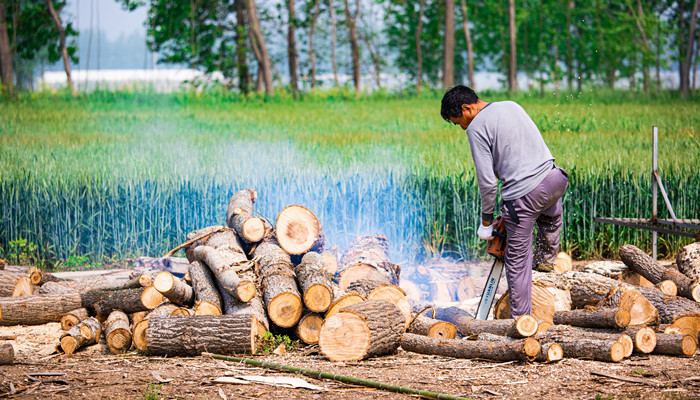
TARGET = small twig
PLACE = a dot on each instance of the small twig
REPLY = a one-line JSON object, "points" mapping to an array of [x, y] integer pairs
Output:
{"points": [[482, 366], [202, 236], [628, 379]]}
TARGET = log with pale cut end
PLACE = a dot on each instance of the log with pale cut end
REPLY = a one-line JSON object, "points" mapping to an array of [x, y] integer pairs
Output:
{"points": [[556, 332], [643, 337], [280, 294], [225, 271], [549, 352], [330, 260], [151, 298], [298, 230], [207, 298], [342, 299], [395, 295], [91, 329], [523, 326], [117, 332], [7, 354], [192, 336], [422, 325], [253, 307], [585, 289], [174, 289], [138, 335], [686, 324], [667, 287], [642, 311], [7, 282], [602, 317], [669, 307], [309, 328], [542, 326], [546, 300], [39, 277], [367, 257], [73, 318], [239, 216], [675, 345], [23, 287], [362, 330], [688, 260], [135, 318], [670, 329], [146, 279], [36, 310], [314, 282], [576, 347], [72, 340], [563, 263], [128, 300], [454, 315], [646, 266], [513, 350]]}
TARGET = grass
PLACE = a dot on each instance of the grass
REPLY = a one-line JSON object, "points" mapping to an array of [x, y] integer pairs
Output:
{"points": [[119, 174]]}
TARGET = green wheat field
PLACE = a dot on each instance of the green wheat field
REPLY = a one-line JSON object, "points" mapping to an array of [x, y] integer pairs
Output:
{"points": [[121, 174]]}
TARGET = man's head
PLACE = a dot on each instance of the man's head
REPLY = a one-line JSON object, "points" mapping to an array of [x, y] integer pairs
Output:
{"points": [[460, 105]]}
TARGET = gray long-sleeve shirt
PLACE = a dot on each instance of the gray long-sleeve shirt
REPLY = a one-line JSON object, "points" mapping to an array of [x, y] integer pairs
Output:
{"points": [[506, 145]]}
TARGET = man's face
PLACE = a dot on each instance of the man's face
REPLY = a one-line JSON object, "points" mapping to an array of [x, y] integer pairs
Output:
{"points": [[468, 113]]}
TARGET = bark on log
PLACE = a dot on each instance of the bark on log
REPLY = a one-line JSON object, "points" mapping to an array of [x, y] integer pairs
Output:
{"points": [[254, 307], [586, 289], [368, 257], [687, 324], [523, 326], [191, 336], [7, 282], [549, 352], [309, 328], [239, 217], [555, 332], [599, 350], [395, 295], [642, 311], [36, 310], [117, 332], [546, 299], [520, 349], [342, 299], [298, 230], [364, 286], [669, 307], [201, 237], [91, 329], [129, 301], [362, 330], [23, 287], [640, 262], [425, 326], [7, 354], [72, 340], [282, 299], [456, 316], [675, 345], [39, 277], [226, 270], [314, 282], [594, 318], [207, 298], [138, 335], [688, 260], [174, 289], [135, 318], [73, 318], [643, 337]]}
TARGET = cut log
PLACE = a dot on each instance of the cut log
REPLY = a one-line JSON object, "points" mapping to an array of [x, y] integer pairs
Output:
{"points": [[643, 337], [395, 295], [330, 260], [667, 287], [207, 299], [688, 260], [72, 340], [364, 286], [523, 326], [670, 329], [599, 350], [135, 318], [138, 335], [669, 307], [586, 289], [563, 263], [91, 329], [642, 311], [466, 289], [7, 282], [253, 307], [309, 328], [515, 350], [686, 324], [239, 217], [362, 330], [298, 230], [456, 316], [342, 299], [146, 279], [129, 301], [425, 326], [675, 345], [117, 332], [39, 277], [314, 282], [36, 310], [282, 299], [556, 332], [58, 287], [73, 318], [226, 270], [23, 287], [7, 354], [174, 289], [602, 317], [546, 299], [646, 266], [368, 257], [191, 336], [549, 352]]}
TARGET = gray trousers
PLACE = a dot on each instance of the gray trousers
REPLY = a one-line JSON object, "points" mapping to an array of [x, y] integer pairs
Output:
{"points": [[542, 206]]}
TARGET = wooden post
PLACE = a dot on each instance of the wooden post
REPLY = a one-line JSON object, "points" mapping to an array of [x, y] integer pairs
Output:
{"points": [[654, 188]]}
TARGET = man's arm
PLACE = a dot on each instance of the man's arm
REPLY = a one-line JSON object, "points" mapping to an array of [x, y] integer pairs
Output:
{"points": [[488, 183]]}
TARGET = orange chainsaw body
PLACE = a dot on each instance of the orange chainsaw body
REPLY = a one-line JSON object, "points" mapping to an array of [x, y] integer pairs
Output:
{"points": [[497, 245]]}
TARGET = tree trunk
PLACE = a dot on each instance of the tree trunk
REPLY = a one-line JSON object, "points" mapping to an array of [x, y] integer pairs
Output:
{"points": [[331, 9], [376, 59], [138, 336], [6, 74], [419, 50], [309, 328], [515, 350], [117, 332], [241, 46], [669, 307], [298, 230], [259, 42], [685, 63], [555, 332], [675, 345], [282, 299], [225, 267], [292, 47], [376, 327], [129, 301], [586, 289], [191, 336], [62, 41], [448, 54], [425, 326], [351, 20], [73, 318], [174, 289], [667, 287], [312, 52], [641, 263], [594, 318], [7, 352], [368, 257], [523, 326], [512, 56], [688, 259], [314, 282], [207, 300], [641, 310], [468, 40], [36, 310]]}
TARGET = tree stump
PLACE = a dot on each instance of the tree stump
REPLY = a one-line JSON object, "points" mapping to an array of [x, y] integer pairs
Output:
{"points": [[174, 289], [594, 318], [309, 328], [36, 310], [298, 230], [314, 282], [7, 354], [640, 262], [225, 270], [362, 330], [239, 217], [688, 260], [368, 257], [282, 299], [515, 350], [675, 345], [117, 332], [73, 318], [207, 299]]}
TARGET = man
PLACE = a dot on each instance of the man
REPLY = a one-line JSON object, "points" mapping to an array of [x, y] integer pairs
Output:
{"points": [[507, 146]]}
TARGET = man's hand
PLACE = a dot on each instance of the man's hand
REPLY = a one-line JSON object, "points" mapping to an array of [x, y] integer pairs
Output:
{"points": [[485, 231]]}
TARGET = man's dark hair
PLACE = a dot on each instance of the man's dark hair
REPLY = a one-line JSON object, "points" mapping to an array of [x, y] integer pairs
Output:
{"points": [[454, 98]]}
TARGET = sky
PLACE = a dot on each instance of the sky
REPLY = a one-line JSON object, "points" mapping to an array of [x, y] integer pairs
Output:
{"points": [[113, 20]]}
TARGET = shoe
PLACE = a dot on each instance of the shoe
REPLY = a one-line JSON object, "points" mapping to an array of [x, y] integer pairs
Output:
{"points": [[544, 267]]}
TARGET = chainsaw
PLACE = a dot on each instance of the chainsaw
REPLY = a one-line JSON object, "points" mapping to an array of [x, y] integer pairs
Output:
{"points": [[497, 248]]}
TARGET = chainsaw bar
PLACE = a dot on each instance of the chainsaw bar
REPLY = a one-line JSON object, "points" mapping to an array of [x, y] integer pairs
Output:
{"points": [[489, 293]]}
